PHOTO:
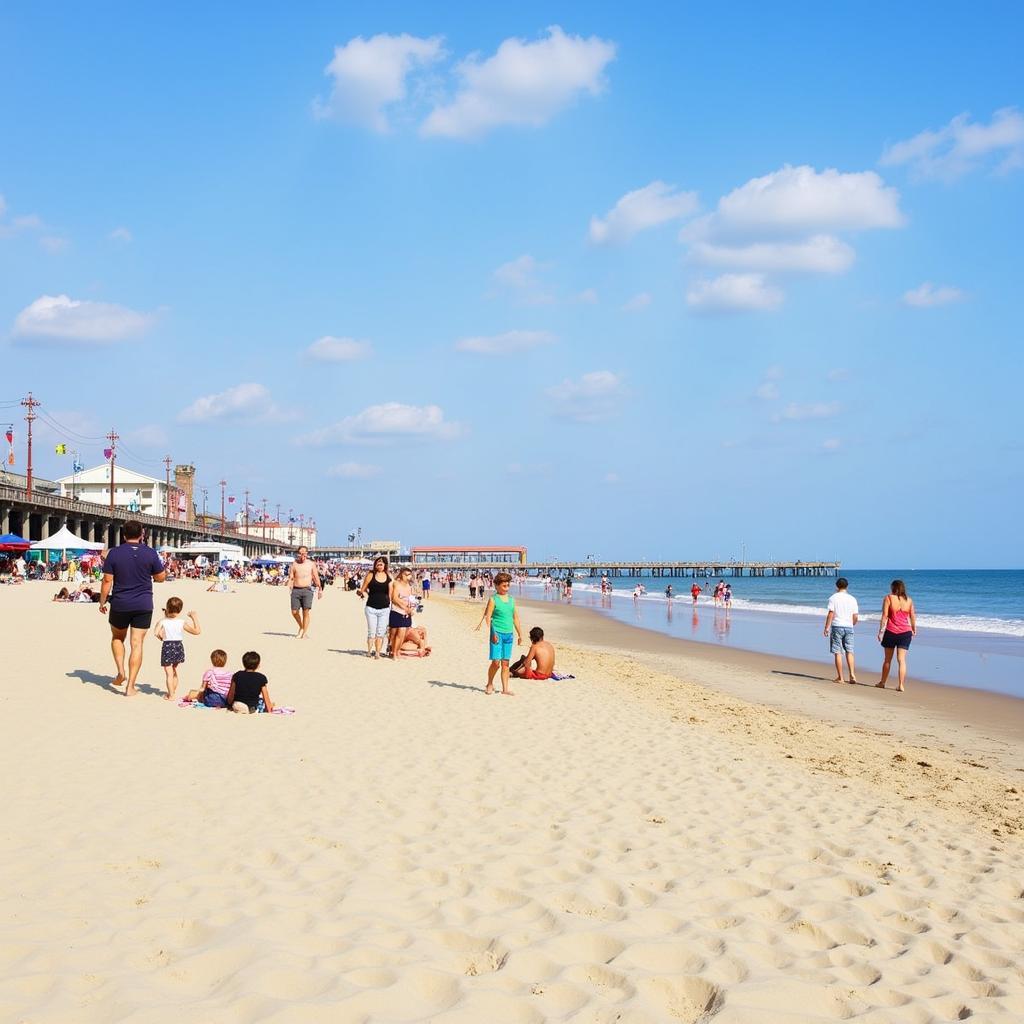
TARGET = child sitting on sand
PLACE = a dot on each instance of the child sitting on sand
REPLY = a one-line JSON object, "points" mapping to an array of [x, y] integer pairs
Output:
{"points": [[539, 660], [216, 683], [249, 693], [171, 630]]}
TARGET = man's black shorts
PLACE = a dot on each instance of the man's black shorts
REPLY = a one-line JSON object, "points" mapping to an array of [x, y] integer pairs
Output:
{"points": [[137, 620]]}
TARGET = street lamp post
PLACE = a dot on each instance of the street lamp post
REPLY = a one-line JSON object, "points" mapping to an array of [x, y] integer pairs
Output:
{"points": [[223, 491]]}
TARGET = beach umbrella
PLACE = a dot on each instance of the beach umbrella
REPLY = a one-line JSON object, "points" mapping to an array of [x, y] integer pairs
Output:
{"points": [[12, 542]]}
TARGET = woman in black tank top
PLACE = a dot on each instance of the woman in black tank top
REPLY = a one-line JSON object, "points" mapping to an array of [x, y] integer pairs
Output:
{"points": [[376, 587]]}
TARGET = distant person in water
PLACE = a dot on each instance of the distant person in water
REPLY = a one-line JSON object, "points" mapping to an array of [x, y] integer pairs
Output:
{"points": [[539, 661], [668, 592], [695, 592], [895, 631], [843, 613]]}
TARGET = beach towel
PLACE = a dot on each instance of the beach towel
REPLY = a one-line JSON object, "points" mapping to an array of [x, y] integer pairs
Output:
{"points": [[182, 703], [559, 676]]}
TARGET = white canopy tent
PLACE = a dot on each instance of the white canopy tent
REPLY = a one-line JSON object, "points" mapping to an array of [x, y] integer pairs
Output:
{"points": [[65, 540]]}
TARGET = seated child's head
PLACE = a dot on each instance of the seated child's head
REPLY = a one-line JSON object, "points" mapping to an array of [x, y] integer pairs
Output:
{"points": [[536, 634], [174, 606], [250, 661], [218, 658]]}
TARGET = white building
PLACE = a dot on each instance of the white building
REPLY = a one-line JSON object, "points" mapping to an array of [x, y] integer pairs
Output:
{"points": [[133, 491], [285, 533]]}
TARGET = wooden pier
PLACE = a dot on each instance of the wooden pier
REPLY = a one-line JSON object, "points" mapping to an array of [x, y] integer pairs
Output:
{"points": [[593, 569]]}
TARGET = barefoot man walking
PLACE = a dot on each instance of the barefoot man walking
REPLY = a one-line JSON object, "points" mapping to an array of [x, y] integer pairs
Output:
{"points": [[303, 578], [131, 569]]}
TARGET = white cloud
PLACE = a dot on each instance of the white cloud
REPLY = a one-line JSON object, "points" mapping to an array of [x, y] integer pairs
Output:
{"points": [[521, 277], [588, 399], [839, 373], [355, 471], [329, 349], [243, 401], [54, 244], [928, 294], [962, 146], [62, 319], [371, 75], [25, 222], [120, 234], [523, 83], [768, 389], [831, 444], [795, 201], [611, 478], [809, 411], [643, 208], [587, 297], [639, 302], [823, 254], [500, 344], [733, 293], [386, 423]]}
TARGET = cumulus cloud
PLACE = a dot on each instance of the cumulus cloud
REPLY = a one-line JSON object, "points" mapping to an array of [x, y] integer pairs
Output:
{"points": [[809, 411], [822, 254], [591, 398], [329, 349], [796, 201], [639, 302], [16, 225], [54, 244], [355, 471], [587, 297], [521, 277], [962, 146], [383, 424], [831, 444], [243, 401], [768, 389], [370, 75], [733, 293], [522, 83], [928, 294], [60, 319], [641, 209], [120, 234], [501, 344]]}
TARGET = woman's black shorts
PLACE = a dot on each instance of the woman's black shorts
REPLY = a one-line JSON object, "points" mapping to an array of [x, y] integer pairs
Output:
{"points": [[398, 621], [901, 641]]}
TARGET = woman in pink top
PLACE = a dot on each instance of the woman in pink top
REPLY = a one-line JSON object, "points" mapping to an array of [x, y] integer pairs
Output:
{"points": [[898, 625]]}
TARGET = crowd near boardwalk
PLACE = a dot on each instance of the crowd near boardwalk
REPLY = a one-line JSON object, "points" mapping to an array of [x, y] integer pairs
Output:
{"points": [[393, 600]]}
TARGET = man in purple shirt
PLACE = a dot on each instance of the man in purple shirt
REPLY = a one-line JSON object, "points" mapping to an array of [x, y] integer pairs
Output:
{"points": [[130, 569]]}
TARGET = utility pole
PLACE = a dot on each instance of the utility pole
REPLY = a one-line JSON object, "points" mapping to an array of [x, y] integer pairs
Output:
{"points": [[206, 527], [302, 527], [167, 493], [264, 518], [223, 491], [247, 511], [30, 403], [278, 520], [113, 438], [291, 524]]}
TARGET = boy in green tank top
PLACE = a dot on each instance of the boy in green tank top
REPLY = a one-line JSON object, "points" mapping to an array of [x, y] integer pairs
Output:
{"points": [[504, 617]]}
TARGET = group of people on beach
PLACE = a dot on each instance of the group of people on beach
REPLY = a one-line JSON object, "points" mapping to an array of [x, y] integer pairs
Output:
{"points": [[126, 597], [897, 628]]}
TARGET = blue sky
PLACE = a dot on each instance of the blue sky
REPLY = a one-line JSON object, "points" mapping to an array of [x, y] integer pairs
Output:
{"points": [[671, 284]]}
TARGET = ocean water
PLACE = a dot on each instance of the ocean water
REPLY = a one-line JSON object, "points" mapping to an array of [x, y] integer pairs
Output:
{"points": [[970, 622]]}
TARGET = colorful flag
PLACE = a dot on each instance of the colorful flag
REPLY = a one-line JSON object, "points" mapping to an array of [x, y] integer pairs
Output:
{"points": [[108, 452], [76, 466], [231, 500], [60, 449], [10, 436]]}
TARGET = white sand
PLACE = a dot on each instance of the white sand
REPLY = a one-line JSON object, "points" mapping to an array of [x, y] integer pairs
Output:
{"points": [[407, 849]]}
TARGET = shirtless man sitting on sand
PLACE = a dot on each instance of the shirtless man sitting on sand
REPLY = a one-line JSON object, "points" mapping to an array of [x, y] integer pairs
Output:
{"points": [[303, 579], [539, 660]]}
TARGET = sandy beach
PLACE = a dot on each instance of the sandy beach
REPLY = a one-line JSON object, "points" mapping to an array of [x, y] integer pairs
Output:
{"points": [[678, 834]]}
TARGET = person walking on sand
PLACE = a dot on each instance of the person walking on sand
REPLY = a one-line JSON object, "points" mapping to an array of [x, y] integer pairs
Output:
{"points": [[303, 578], [501, 612], [171, 630], [895, 631], [842, 616], [376, 588], [130, 569]]}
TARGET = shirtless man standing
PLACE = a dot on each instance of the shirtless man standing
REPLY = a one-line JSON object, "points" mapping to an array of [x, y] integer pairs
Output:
{"points": [[539, 660], [303, 578]]}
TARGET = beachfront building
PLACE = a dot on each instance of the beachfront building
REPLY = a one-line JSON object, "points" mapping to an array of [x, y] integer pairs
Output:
{"points": [[467, 556], [133, 491], [297, 532]]}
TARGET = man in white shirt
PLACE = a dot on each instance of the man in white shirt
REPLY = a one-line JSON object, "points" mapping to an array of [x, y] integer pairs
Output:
{"points": [[842, 617]]}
